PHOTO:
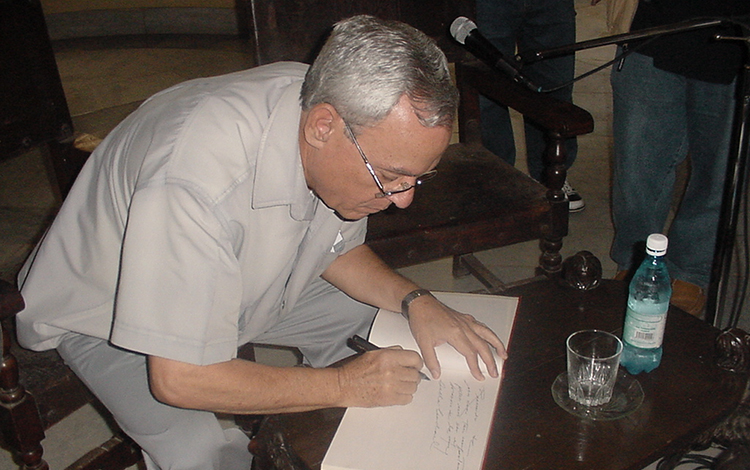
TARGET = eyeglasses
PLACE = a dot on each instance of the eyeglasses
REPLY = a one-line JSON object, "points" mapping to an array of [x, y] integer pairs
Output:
{"points": [[403, 187]]}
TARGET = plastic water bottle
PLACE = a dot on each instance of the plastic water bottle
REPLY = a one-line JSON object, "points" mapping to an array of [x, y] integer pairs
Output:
{"points": [[648, 302]]}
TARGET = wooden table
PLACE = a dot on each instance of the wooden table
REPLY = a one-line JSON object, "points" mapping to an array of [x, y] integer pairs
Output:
{"points": [[684, 397]]}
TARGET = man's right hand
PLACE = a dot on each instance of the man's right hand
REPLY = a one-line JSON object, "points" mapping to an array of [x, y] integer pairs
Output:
{"points": [[380, 378]]}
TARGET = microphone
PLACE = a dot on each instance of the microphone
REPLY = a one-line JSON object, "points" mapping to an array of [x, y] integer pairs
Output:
{"points": [[466, 33]]}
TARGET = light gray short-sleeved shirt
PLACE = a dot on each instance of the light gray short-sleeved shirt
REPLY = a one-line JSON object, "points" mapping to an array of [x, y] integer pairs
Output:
{"points": [[191, 229]]}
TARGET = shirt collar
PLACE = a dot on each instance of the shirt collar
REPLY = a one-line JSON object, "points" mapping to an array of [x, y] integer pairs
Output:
{"points": [[279, 176]]}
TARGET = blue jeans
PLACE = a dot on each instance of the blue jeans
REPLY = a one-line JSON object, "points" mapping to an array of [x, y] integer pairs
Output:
{"points": [[529, 25], [659, 119]]}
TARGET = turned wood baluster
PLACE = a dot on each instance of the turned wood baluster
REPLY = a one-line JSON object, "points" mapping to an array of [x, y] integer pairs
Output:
{"points": [[19, 416], [556, 229]]}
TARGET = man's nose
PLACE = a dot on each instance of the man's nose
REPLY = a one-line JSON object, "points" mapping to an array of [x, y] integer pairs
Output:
{"points": [[402, 200]]}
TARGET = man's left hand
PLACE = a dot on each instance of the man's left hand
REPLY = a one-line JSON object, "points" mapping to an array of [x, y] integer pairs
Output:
{"points": [[432, 324]]}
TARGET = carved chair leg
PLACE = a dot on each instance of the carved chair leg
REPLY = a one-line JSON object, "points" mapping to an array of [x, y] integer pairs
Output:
{"points": [[19, 416], [550, 261]]}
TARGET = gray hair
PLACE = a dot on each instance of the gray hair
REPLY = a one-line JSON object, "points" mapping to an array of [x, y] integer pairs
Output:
{"points": [[367, 64]]}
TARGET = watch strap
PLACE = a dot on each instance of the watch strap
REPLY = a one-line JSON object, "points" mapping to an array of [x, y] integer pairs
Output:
{"points": [[411, 297]]}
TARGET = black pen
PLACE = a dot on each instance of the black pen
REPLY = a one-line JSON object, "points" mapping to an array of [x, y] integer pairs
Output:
{"points": [[361, 345]]}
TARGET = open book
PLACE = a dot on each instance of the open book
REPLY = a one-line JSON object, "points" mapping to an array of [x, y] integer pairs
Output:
{"points": [[447, 425]]}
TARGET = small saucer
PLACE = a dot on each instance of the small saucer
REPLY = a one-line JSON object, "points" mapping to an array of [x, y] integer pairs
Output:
{"points": [[627, 396]]}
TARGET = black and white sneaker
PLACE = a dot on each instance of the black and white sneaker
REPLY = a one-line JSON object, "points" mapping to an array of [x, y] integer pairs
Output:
{"points": [[575, 201]]}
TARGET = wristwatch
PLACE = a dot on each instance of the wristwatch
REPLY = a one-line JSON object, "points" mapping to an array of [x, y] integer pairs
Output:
{"points": [[411, 297]]}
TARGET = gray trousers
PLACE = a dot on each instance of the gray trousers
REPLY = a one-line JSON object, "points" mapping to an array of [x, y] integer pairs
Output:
{"points": [[181, 439]]}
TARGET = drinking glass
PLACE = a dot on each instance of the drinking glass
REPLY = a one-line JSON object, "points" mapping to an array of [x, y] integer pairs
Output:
{"points": [[593, 360]]}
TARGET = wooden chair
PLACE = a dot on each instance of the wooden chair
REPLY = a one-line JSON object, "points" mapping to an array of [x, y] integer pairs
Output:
{"points": [[477, 201]]}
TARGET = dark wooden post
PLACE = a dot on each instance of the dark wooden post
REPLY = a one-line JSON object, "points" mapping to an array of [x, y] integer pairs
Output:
{"points": [[19, 416], [550, 261]]}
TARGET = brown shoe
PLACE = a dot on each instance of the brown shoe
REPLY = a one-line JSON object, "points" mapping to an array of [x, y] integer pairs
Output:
{"points": [[688, 297], [623, 275]]}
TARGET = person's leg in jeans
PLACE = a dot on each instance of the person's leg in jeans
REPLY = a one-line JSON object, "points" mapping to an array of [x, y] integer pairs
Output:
{"points": [[650, 140], [692, 235]]}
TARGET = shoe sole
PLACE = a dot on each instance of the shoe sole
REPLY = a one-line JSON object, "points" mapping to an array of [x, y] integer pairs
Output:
{"points": [[576, 209]]}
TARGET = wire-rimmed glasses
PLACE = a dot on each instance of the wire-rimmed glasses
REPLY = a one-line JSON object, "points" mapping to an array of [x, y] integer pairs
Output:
{"points": [[403, 187]]}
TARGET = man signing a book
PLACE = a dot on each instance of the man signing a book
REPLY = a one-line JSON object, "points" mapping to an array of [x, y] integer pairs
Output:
{"points": [[233, 209]]}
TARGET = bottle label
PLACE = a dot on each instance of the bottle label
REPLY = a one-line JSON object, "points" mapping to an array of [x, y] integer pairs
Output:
{"points": [[644, 330]]}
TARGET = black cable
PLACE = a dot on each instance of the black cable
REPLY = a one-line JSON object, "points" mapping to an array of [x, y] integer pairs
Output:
{"points": [[743, 268], [746, 277], [738, 265], [626, 52]]}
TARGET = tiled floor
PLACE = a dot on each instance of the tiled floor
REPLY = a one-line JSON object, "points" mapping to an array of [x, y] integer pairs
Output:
{"points": [[104, 80]]}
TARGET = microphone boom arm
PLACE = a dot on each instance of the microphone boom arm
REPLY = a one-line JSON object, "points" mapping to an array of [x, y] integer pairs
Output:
{"points": [[621, 38]]}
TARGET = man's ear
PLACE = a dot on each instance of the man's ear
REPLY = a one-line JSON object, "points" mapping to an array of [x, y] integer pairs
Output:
{"points": [[319, 124]]}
